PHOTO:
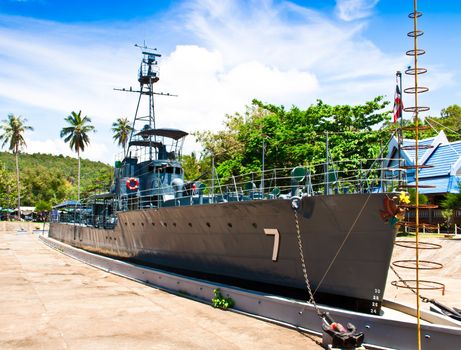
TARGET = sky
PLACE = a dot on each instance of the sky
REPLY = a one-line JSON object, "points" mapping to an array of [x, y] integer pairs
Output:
{"points": [[62, 56]]}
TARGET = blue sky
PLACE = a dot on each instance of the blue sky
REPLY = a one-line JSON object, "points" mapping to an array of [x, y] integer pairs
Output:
{"points": [[60, 56]]}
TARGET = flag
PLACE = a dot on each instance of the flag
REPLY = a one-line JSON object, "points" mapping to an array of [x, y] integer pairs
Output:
{"points": [[398, 105]]}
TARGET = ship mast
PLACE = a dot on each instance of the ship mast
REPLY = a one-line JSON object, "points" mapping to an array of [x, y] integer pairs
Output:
{"points": [[148, 75]]}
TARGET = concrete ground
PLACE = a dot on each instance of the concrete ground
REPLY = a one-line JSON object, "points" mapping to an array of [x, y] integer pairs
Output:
{"points": [[51, 301], [449, 256]]}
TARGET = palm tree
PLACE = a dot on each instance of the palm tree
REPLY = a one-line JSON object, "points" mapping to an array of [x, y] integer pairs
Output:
{"points": [[77, 136], [13, 129], [122, 130]]}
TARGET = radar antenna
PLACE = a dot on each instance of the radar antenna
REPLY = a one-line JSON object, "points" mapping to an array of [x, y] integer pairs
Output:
{"points": [[148, 75]]}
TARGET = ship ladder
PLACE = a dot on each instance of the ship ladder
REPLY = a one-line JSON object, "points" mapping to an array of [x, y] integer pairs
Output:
{"points": [[335, 335]]}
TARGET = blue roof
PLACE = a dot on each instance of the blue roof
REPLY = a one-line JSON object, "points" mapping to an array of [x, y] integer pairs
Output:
{"points": [[71, 203], [444, 184], [421, 152], [441, 156], [442, 160]]}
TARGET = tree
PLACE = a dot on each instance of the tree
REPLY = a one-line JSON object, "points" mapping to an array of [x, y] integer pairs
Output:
{"points": [[449, 204], [13, 130], [294, 137], [7, 197], [42, 209], [77, 136], [44, 184], [449, 121], [195, 168], [122, 130]]}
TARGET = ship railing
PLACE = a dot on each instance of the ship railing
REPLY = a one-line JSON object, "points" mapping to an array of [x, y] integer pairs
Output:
{"points": [[277, 183], [340, 177], [280, 183]]}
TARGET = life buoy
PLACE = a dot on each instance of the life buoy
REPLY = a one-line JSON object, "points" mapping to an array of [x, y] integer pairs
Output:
{"points": [[132, 183]]}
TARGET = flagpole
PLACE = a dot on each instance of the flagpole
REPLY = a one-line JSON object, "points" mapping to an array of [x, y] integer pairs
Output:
{"points": [[398, 77]]}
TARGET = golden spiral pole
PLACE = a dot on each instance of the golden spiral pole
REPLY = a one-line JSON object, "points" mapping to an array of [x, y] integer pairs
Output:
{"points": [[416, 89], [417, 284]]}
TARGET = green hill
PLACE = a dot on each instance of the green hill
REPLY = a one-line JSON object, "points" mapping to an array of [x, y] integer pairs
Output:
{"points": [[51, 179]]}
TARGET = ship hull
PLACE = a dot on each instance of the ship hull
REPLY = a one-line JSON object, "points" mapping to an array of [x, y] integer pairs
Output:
{"points": [[347, 247]]}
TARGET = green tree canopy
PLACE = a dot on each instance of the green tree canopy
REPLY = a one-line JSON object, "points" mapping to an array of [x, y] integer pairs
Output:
{"points": [[7, 190], [295, 136]]}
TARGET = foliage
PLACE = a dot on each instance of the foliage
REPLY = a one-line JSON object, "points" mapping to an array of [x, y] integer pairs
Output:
{"points": [[293, 137], [7, 190], [194, 169], [77, 131], [122, 130], [450, 121], [448, 215], [221, 302], [77, 136], [41, 206], [53, 178], [422, 197], [451, 201], [13, 130]]}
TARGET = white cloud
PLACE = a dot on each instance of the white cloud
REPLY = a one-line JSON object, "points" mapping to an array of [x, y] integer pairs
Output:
{"points": [[95, 151], [224, 54], [349, 10]]}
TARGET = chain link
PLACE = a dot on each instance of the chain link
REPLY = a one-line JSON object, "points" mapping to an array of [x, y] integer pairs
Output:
{"points": [[303, 264]]}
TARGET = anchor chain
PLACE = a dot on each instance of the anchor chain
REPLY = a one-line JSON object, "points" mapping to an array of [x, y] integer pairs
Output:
{"points": [[334, 333], [295, 204]]}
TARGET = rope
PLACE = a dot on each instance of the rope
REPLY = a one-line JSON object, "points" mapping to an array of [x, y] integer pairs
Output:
{"points": [[449, 144], [343, 242]]}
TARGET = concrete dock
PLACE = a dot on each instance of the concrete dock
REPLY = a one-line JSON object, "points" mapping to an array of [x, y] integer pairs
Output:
{"points": [[51, 301]]}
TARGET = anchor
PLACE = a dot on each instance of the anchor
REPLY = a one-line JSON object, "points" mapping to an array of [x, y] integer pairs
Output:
{"points": [[336, 336]]}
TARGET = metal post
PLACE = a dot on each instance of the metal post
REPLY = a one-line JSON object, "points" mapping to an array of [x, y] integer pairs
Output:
{"points": [[327, 185], [262, 175], [398, 76], [212, 177], [381, 175]]}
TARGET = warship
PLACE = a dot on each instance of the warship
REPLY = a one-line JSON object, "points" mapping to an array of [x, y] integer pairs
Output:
{"points": [[285, 233]]}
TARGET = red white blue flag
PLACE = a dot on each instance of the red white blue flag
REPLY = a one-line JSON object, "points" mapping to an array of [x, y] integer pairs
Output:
{"points": [[398, 105]]}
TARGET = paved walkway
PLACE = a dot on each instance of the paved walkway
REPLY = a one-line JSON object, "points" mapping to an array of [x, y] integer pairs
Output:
{"points": [[449, 255], [51, 301]]}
